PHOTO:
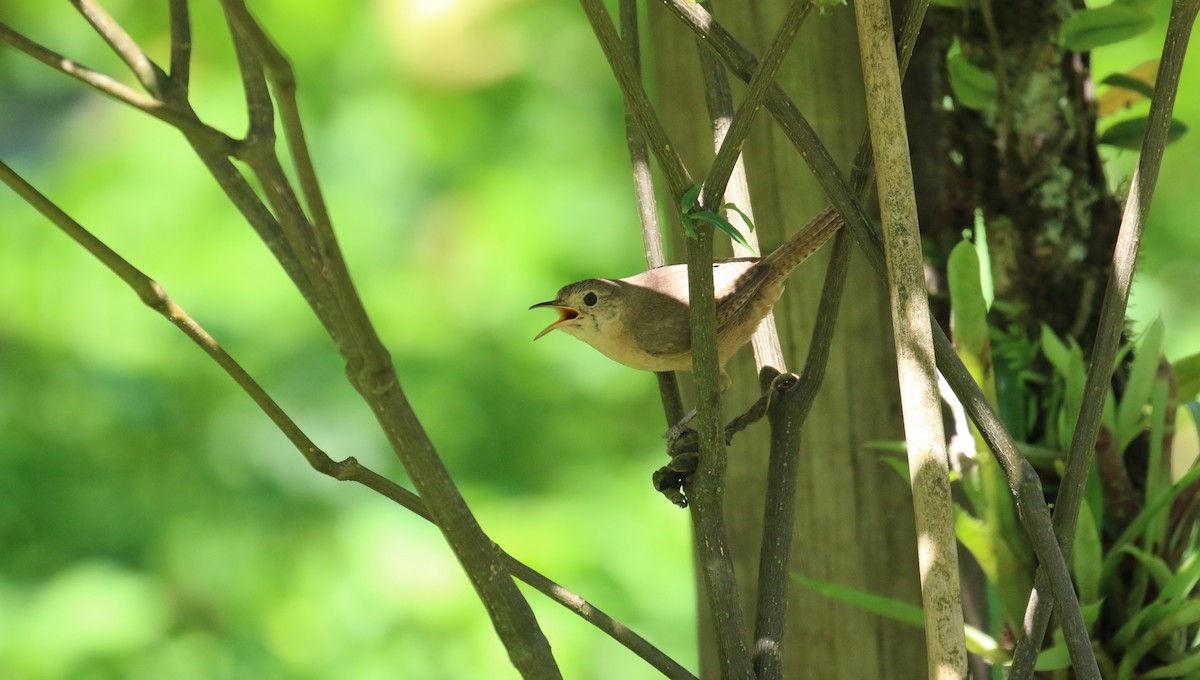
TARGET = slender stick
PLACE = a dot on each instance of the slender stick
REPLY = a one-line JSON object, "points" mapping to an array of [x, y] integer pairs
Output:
{"points": [[148, 74], [705, 487], [726, 180], [1112, 322], [937, 554], [636, 100], [787, 418], [643, 186], [639, 156], [181, 44], [283, 80], [185, 121]]}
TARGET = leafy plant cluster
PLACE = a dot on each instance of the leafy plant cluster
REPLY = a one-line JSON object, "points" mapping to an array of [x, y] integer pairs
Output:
{"points": [[975, 85], [1136, 560]]}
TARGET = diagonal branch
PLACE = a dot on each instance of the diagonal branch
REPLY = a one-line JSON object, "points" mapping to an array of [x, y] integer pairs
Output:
{"points": [[636, 100], [912, 324], [181, 44], [760, 84], [643, 186], [148, 73], [186, 121]]}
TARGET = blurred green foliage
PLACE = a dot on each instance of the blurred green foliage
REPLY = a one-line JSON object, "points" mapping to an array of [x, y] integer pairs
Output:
{"points": [[154, 524]]}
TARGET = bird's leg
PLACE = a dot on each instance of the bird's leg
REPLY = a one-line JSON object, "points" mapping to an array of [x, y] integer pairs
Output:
{"points": [[681, 437], [683, 443], [683, 446]]}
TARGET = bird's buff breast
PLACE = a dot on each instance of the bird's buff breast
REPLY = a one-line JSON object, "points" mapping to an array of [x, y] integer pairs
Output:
{"points": [[622, 348]]}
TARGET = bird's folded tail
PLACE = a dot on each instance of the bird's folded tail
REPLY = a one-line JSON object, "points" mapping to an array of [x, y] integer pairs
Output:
{"points": [[802, 244]]}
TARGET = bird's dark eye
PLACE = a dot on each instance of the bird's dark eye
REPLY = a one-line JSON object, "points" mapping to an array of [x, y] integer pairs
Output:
{"points": [[589, 299]]}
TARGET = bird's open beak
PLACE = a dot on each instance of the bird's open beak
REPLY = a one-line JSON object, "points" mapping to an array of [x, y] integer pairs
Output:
{"points": [[565, 315]]}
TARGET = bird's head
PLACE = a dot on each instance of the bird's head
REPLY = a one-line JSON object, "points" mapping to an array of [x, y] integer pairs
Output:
{"points": [[585, 308]]}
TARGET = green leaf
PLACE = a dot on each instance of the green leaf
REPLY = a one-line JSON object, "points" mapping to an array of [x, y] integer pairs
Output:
{"points": [[1184, 580], [722, 224], [1158, 474], [1130, 629], [1193, 408], [1153, 564], [973, 87], [689, 199], [1054, 658], [985, 257], [968, 309], [1088, 29], [1128, 82], [1139, 4], [1138, 525], [893, 445], [876, 604], [1141, 381], [1087, 557], [749, 222], [1188, 666], [1128, 134], [991, 549], [900, 465], [1055, 351], [1187, 377], [978, 642], [1177, 622], [949, 3]]}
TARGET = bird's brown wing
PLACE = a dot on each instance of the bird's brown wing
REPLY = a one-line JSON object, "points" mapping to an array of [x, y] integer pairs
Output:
{"points": [[664, 331]]}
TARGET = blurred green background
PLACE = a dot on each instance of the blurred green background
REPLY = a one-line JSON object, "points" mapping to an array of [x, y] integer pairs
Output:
{"points": [[154, 524]]}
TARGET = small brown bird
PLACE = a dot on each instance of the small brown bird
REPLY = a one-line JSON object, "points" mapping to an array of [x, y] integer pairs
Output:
{"points": [[642, 321]]}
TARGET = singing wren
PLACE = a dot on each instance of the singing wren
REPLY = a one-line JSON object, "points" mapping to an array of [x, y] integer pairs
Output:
{"points": [[642, 321]]}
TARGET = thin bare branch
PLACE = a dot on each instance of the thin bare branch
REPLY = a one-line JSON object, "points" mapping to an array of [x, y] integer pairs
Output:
{"points": [[181, 44], [704, 488], [787, 418], [643, 186], [370, 369], [184, 120], [937, 554], [636, 100], [260, 109], [148, 73], [760, 84], [727, 613], [1112, 322], [283, 80]]}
